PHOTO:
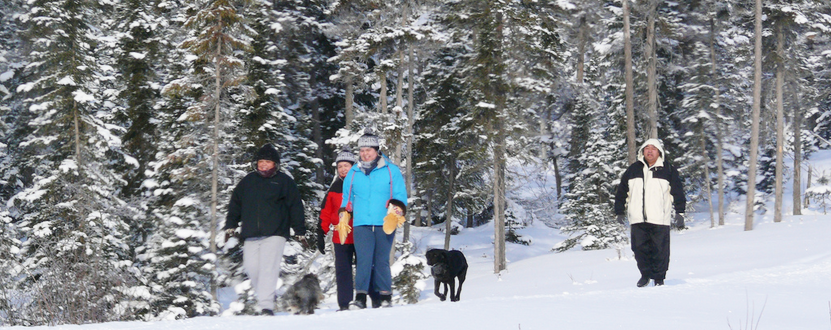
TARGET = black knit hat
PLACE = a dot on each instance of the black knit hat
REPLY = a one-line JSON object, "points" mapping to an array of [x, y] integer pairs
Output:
{"points": [[267, 152]]}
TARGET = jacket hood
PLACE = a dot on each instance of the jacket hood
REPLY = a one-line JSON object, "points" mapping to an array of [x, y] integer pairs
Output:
{"points": [[657, 144]]}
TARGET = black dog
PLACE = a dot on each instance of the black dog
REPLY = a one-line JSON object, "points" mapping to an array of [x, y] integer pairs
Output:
{"points": [[446, 267], [304, 295]]}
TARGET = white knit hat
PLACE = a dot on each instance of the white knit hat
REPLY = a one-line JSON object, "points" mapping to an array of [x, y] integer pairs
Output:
{"points": [[346, 156]]}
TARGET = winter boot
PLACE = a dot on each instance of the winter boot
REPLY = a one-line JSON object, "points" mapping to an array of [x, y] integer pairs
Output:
{"points": [[386, 300], [659, 282], [375, 302], [268, 312], [643, 281], [359, 302]]}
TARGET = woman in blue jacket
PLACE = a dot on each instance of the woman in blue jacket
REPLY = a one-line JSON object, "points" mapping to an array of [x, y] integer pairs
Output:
{"points": [[374, 191]]}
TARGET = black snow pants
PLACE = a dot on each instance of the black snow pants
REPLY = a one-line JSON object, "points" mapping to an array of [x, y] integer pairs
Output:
{"points": [[343, 273], [650, 243]]}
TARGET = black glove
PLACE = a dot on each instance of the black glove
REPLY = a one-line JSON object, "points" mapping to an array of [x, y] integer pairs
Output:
{"points": [[621, 219], [321, 241], [679, 221]]}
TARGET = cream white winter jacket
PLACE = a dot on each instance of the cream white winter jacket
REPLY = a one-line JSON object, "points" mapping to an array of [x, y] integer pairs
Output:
{"points": [[650, 192]]}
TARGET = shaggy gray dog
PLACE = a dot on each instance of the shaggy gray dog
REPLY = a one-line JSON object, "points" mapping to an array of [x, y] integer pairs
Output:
{"points": [[302, 297]]}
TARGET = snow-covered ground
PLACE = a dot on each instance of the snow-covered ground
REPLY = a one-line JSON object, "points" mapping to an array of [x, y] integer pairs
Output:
{"points": [[777, 276]]}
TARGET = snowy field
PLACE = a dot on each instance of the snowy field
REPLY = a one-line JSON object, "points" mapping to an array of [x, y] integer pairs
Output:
{"points": [[777, 276]]}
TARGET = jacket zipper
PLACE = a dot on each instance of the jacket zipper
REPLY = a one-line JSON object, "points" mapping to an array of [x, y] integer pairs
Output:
{"points": [[643, 195]]}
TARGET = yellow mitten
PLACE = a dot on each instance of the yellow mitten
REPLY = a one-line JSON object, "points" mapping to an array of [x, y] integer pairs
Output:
{"points": [[343, 227], [394, 219]]}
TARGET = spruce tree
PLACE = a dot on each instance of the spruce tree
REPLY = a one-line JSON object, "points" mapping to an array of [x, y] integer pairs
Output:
{"points": [[69, 204]]}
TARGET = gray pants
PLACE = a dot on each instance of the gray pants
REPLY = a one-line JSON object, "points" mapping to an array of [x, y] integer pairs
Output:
{"points": [[261, 257]]}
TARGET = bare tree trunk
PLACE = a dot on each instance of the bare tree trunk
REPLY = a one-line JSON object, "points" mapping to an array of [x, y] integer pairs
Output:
{"points": [[719, 131], [581, 49], [651, 70], [318, 135], [780, 125], [350, 97], [448, 220], [754, 131], [499, 199], [499, 259], [419, 220], [429, 208], [797, 154], [706, 161], [630, 87], [382, 79], [215, 156], [399, 101], [558, 178], [543, 135], [77, 129], [399, 86], [808, 186], [409, 137]]}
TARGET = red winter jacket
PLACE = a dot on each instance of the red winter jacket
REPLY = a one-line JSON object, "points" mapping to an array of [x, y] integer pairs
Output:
{"points": [[329, 211]]}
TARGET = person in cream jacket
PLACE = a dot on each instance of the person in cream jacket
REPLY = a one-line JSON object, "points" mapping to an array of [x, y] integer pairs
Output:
{"points": [[649, 190]]}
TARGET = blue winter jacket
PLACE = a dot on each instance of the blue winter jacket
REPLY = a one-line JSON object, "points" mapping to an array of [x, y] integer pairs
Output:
{"points": [[370, 193]]}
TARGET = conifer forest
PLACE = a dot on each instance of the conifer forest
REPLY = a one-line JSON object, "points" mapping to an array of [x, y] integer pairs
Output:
{"points": [[127, 123]]}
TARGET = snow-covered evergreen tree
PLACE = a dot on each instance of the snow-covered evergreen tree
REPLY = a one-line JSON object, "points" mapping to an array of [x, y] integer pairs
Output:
{"points": [[589, 201], [68, 209], [9, 269]]}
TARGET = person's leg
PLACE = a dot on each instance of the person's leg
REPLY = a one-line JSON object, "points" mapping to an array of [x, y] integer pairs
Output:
{"points": [[271, 255], [660, 258], [343, 273], [251, 262], [641, 248], [364, 247], [382, 274], [372, 293]]}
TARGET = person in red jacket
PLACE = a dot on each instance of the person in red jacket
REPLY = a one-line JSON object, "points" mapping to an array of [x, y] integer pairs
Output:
{"points": [[344, 249]]}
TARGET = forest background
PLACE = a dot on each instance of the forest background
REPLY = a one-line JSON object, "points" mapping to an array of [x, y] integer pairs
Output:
{"points": [[126, 123]]}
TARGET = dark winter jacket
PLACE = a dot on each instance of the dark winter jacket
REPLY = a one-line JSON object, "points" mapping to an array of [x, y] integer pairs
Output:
{"points": [[266, 207], [329, 211], [650, 192]]}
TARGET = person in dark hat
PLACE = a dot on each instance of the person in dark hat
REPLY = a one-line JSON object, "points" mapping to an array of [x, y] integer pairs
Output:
{"points": [[376, 214], [266, 205]]}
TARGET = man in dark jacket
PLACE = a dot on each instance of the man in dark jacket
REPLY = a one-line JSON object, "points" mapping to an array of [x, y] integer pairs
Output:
{"points": [[652, 189], [267, 206]]}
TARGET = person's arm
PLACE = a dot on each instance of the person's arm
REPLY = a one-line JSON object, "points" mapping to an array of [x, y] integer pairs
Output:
{"points": [[297, 217], [622, 193], [234, 208], [399, 190], [347, 188], [329, 214], [676, 189]]}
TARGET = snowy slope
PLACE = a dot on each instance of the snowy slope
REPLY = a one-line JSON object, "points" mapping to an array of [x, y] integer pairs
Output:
{"points": [[777, 276]]}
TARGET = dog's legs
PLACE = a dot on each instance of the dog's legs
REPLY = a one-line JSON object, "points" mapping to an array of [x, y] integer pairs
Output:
{"points": [[461, 276], [437, 290], [452, 289]]}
